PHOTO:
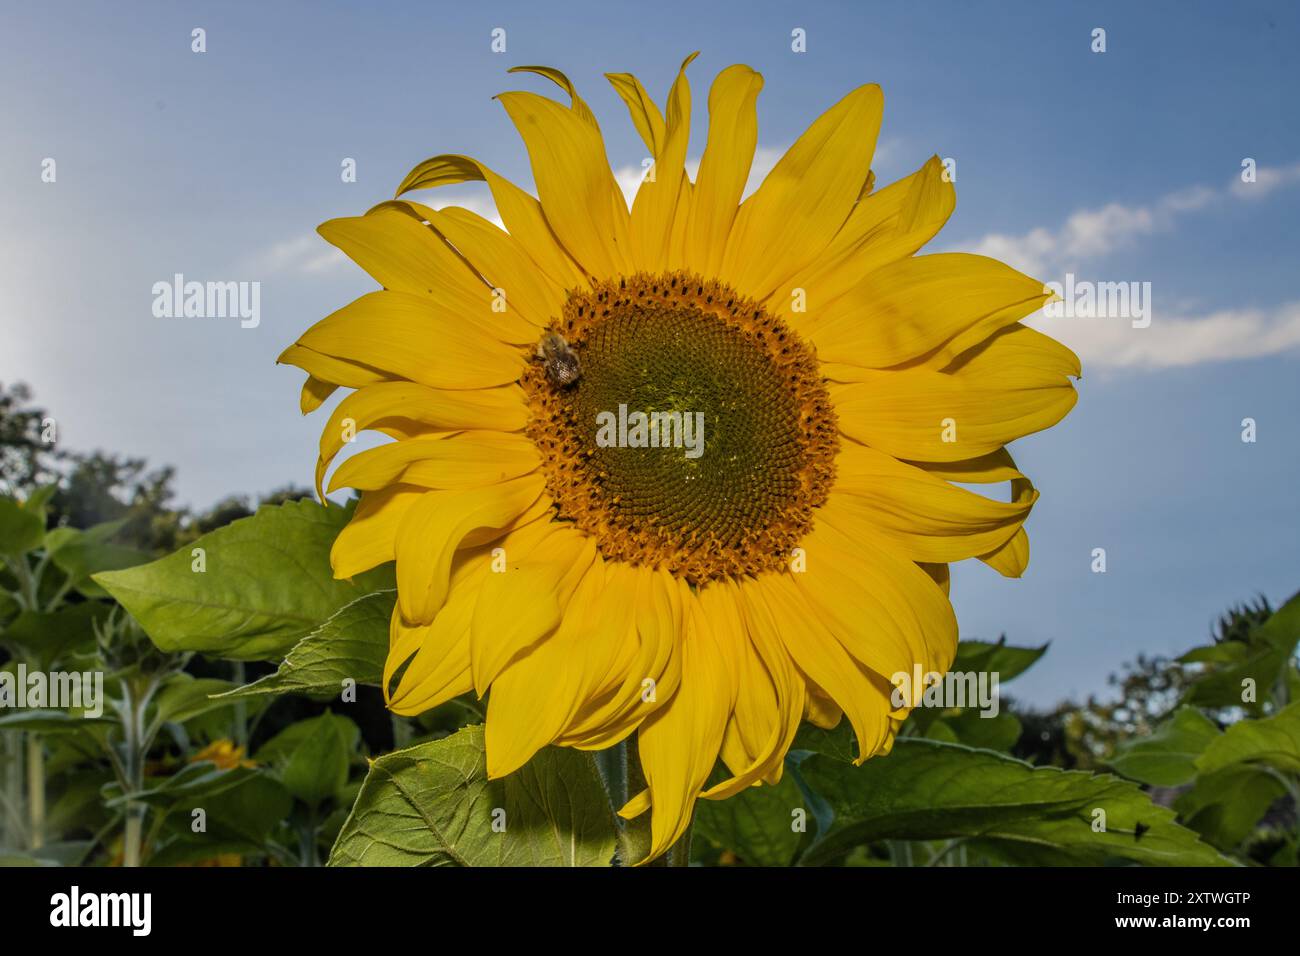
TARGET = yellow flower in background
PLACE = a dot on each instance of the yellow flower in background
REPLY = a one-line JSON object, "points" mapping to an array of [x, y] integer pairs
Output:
{"points": [[783, 552], [225, 753]]}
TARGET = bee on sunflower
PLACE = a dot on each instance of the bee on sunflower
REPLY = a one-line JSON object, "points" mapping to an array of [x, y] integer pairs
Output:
{"points": [[706, 604]]}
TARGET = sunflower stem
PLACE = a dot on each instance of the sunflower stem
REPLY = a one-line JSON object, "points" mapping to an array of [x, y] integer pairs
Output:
{"points": [[613, 766]]}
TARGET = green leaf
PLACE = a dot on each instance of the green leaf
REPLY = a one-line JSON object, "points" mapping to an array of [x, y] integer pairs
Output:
{"points": [[237, 819], [1007, 809], [1269, 651], [48, 721], [352, 644], [184, 697], [432, 805], [1000, 658], [81, 554], [1167, 758], [997, 732], [266, 584], [191, 782], [1225, 806], [45, 636], [1274, 741], [39, 498], [313, 756], [757, 824], [20, 530]]}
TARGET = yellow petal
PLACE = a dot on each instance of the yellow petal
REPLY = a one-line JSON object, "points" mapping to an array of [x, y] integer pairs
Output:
{"points": [[411, 406], [434, 659], [538, 692], [405, 336], [1010, 387], [679, 743], [913, 306], [367, 540], [885, 226], [460, 461], [435, 526], [314, 393], [521, 604], [926, 518], [577, 104], [655, 208], [521, 213], [887, 612], [775, 605], [640, 667], [803, 202], [327, 368], [647, 119], [724, 167], [769, 702], [516, 282], [582, 202]]}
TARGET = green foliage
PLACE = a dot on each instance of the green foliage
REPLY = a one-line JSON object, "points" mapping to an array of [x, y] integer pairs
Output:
{"points": [[1169, 756], [351, 645], [432, 805], [1213, 781], [265, 584]]}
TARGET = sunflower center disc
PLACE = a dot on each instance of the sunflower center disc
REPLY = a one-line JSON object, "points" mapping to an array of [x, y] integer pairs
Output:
{"points": [[698, 435]]}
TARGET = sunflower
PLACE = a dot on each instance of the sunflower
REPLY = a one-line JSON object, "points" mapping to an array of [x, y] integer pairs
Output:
{"points": [[708, 603]]}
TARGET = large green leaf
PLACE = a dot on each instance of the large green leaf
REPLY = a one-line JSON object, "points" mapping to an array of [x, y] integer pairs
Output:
{"points": [[21, 530], [1006, 809], [351, 645], [1167, 758], [432, 805], [969, 727], [1003, 659], [761, 825], [237, 819], [1272, 741], [1225, 806], [267, 584], [312, 756]]}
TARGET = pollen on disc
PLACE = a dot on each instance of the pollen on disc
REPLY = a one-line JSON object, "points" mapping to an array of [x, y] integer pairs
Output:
{"points": [[682, 346]]}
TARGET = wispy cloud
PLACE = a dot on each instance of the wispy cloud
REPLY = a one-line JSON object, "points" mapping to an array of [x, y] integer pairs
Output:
{"points": [[1174, 337], [1092, 233], [1173, 341], [306, 255]]}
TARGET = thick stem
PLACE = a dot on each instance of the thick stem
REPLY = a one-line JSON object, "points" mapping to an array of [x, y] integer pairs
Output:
{"points": [[133, 745], [35, 791], [612, 762], [11, 761], [680, 854]]}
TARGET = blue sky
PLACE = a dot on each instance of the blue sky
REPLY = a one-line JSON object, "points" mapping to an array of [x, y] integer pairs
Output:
{"points": [[1115, 166]]}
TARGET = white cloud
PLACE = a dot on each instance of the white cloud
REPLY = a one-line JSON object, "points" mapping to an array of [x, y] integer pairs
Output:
{"points": [[1267, 179], [1093, 233], [1173, 341], [302, 255]]}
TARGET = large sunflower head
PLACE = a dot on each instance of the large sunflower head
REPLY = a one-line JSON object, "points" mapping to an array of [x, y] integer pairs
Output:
{"points": [[690, 470]]}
